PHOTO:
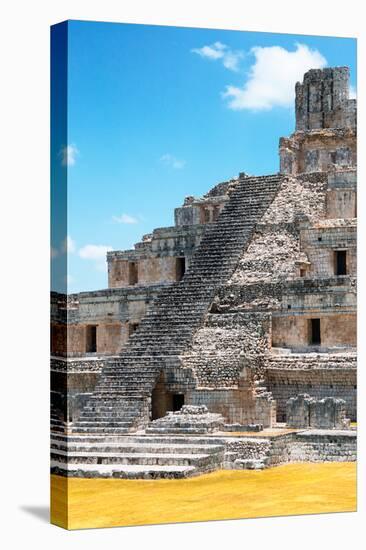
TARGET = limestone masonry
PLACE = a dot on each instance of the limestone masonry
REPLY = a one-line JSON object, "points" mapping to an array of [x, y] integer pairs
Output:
{"points": [[228, 340]]}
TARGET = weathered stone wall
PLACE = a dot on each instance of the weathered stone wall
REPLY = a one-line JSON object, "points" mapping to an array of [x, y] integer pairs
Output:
{"points": [[58, 338], [325, 136], [293, 331], [341, 197], [320, 446], [320, 243], [114, 312], [72, 382], [304, 411], [319, 375], [313, 446], [215, 357], [322, 100], [236, 405], [318, 151], [274, 252], [153, 261], [299, 197], [327, 295], [272, 255]]}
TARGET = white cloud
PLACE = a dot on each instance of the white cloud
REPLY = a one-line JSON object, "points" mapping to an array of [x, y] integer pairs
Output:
{"points": [[273, 76], [125, 218], [172, 161], [68, 155], [94, 251], [352, 92], [229, 58]]}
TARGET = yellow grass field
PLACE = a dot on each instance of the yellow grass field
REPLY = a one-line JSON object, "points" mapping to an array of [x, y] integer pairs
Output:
{"points": [[226, 494]]}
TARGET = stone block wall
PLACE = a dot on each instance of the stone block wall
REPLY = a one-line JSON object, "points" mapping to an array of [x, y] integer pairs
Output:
{"points": [[214, 358], [154, 260], [313, 446], [321, 243], [72, 383], [341, 203], [320, 150], [321, 446], [293, 331], [304, 411], [235, 405], [320, 376], [204, 209], [114, 312], [322, 100]]}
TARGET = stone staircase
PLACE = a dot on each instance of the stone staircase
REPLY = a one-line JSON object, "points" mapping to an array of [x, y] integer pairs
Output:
{"points": [[135, 456], [56, 424], [120, 403]]}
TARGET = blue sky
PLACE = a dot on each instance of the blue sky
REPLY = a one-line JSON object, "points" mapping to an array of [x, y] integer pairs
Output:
{"points": [[157, 113]]}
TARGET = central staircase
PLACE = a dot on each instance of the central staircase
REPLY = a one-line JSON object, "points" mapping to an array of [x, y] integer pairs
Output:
{"points": [[120, 403]]}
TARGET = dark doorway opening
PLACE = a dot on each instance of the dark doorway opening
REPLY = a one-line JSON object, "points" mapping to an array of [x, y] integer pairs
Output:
{"points": [[315, 332], [180, 268], [178, 401], [91, 339], [341, 262], [132, 273], [132, 327], [161, 399]]}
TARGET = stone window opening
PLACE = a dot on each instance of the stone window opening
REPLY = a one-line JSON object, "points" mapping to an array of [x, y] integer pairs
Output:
{"points": [[132, 327], [302, 272], [314, 332], [91, 339], [340, 262], [132, 273], [180, 268], [333, 157]]}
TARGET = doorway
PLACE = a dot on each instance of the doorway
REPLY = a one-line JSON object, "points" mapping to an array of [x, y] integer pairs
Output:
{"points": [[340, 262], [180, 268], [132, 273], [178, 401], [314, 332], [91, 339]]}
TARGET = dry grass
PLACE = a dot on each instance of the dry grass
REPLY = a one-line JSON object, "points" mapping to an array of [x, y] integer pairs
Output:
{"points": [[285, 490]]}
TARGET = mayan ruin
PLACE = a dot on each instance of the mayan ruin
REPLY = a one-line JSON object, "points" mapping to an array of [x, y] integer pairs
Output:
{"points": [[227, 341]]}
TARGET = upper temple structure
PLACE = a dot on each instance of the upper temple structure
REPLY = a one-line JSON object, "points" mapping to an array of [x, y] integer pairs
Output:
{"points": [[240, 317]]}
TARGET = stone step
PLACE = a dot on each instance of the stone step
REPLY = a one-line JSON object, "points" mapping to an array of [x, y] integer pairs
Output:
{"points": [[99, 430], [146, 459], [141, 448], [123, 471], [143, 439]]}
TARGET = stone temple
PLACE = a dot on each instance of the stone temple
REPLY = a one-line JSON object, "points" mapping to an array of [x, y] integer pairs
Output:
{"points": [[229, 339]]}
